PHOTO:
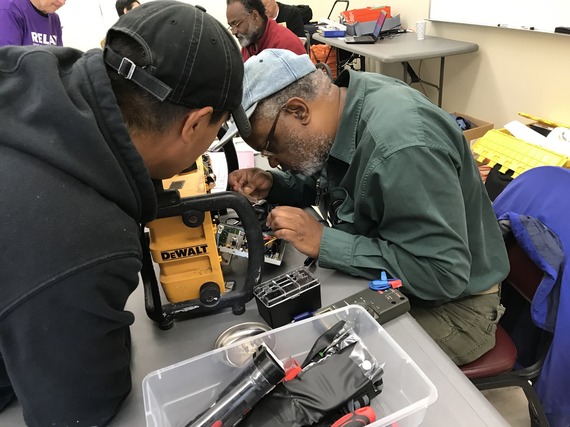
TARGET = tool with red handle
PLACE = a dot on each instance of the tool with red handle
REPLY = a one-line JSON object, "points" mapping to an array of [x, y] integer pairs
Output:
{"points": [[360, 417]]}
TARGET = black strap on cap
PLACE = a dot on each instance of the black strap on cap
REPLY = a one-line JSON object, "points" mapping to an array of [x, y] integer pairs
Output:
{"points": [[242, 121], [130, 71]]}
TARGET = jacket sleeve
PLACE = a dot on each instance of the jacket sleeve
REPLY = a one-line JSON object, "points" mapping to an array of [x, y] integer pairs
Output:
{"points": [[410, 222]]}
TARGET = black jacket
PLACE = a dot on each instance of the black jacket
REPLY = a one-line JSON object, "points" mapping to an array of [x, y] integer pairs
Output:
{"points": [[74, 188], [292, 17]]}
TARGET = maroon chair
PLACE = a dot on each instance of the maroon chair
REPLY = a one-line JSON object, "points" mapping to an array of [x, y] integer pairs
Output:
{"points": [[496, 368]]}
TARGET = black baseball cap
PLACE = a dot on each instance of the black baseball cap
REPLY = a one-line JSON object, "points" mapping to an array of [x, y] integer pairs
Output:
{"points": [[194, 60]]}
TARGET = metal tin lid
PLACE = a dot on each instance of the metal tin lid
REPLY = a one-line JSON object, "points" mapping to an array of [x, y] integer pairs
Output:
{"points": [[237, 355]]}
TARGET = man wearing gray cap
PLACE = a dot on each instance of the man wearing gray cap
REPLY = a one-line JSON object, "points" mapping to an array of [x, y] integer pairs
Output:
{"points": [[83, 136], [397, 181]]}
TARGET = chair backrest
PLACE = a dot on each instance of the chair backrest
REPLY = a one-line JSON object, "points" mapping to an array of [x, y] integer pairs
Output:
{"points": [[524, 276], [334, 4], [523, 279]]}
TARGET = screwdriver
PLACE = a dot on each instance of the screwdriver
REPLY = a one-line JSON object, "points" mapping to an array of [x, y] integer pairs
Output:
{"points": [[360, 417]]}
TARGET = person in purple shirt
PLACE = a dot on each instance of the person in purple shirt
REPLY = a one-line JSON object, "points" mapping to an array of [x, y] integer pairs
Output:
{"points": [[30, 22]]}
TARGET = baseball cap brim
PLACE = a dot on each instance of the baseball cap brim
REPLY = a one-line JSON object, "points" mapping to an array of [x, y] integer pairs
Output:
{"points": [[239, 124], [265, 74]]}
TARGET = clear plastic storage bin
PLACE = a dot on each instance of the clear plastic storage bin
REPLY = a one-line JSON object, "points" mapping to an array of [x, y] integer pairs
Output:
{"points": [[176, 394]]}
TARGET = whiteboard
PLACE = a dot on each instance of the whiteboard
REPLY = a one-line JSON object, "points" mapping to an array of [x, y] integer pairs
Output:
{"points": [[538, 15]]}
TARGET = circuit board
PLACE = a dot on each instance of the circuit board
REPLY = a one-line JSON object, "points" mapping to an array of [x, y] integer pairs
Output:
{"points": [[231, 241]]}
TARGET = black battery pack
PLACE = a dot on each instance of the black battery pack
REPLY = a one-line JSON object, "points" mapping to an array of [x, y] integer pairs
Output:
{"points": [[383, 305], [282, 298]]}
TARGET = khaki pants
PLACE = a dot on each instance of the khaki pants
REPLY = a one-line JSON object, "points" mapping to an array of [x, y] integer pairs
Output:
{"points": [[465, 328]]}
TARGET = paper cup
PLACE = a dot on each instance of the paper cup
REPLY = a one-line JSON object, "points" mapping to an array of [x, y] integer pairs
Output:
{"points": [[421, 29]]}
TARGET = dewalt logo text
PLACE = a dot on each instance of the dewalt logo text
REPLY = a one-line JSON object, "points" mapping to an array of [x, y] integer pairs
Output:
{"points": [[184, 252]]}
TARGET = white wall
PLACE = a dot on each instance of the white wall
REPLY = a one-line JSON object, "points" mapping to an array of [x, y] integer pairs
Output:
{"points": [[512, 71], [508, 13], [85, 22]]}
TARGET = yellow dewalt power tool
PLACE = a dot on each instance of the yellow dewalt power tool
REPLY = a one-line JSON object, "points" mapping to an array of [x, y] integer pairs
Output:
{"points": [[182, 241]]}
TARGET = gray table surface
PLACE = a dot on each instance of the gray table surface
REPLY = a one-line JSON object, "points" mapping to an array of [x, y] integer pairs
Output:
{"points": [[403, 47], [459, 402]]}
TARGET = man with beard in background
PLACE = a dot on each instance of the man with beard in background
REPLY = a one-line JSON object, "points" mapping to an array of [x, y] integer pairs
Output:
{"points": [[255, 31]]}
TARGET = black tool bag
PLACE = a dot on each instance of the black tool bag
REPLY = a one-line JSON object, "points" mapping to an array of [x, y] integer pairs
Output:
{"points": [[338, 376]]}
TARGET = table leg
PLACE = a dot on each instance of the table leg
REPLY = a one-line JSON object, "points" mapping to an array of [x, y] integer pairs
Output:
{"points": [[441, 68], [414, 78]]}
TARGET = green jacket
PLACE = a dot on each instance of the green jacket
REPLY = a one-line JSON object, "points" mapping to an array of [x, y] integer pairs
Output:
{"points": [[405, 195]]}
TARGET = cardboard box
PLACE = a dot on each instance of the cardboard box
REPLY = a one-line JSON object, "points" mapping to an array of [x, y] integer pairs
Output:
{"points": [[334, 32], [482, 127], [332, 29]]}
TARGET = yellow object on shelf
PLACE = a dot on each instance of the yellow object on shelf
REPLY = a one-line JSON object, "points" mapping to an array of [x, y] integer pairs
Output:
{"points": [[500, 147], [544, 121]]}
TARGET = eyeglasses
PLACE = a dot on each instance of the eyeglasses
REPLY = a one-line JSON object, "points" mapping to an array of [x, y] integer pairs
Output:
{"points": [[265, 152], [237, 24]]}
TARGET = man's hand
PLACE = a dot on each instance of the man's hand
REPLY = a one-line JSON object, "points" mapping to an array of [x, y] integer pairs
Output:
{"points": [[254, 183], [298, 227]]}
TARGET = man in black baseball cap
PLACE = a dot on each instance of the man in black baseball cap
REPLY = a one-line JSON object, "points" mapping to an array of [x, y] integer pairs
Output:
{"points": [[188, 60], [83, 135]]}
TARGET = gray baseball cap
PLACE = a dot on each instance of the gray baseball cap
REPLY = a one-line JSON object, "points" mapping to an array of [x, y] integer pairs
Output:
{"points": [[266, 74]]}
